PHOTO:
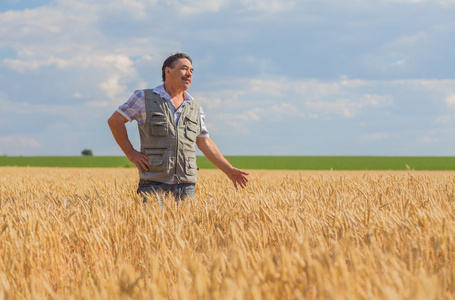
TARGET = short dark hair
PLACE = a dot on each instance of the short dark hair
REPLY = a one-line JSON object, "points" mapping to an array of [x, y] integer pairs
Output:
{"points": [[170, 62]]}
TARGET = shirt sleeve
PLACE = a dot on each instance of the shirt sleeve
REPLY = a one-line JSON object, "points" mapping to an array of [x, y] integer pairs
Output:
{"points": [[134, 108], [204, 131]]}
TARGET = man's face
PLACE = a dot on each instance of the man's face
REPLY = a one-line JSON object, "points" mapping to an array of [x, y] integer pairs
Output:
{"points": [[181, 75]]}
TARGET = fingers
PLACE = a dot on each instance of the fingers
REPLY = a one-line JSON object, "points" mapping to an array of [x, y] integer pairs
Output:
{"points": [[140, 160], [144, 161], [142, 166], [243, 182], [239, 178], [240, 181]]}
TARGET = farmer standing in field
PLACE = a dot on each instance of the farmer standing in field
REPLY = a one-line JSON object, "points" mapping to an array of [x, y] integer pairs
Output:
{"points": [[169, 122]]}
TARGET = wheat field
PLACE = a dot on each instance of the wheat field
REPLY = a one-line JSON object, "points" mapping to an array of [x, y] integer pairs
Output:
{"points": [[85, 234]]}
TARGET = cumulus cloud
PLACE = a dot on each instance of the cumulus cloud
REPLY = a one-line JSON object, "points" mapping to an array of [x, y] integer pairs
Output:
{"points": [[444, 2], [269, 6], [19, 145], [209, 102], [24, 65], [188, 7], [450, 101], [426, 139], [343, 107], [442, 119], [377, 100], [347, 108], [66, 37], [121, 67]]}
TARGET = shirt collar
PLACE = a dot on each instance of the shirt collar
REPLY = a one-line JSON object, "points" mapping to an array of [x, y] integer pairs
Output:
{"points": [[163, 94]]}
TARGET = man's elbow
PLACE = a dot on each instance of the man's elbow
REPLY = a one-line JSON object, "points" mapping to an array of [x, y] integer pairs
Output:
{"points": [[115, 120], [202, 143], [111, 121]]}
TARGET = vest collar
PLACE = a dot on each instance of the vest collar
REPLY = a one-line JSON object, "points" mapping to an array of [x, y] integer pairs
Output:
{"points": [[159, 90]]}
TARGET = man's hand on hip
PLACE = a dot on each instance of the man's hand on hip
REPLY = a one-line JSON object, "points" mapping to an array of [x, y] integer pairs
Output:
{"points": [[139, 159]]}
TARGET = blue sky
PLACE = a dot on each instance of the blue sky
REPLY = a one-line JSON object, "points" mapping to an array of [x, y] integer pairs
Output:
{"points": [[275, 77]]}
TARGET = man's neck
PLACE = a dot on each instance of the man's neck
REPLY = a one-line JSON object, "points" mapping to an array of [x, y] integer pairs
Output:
{"points": [[175, 93]]}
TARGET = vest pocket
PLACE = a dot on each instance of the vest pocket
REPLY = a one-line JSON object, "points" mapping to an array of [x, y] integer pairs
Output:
{"points": [[159, 125], [190, 164], [191, 130], [156, 161]]}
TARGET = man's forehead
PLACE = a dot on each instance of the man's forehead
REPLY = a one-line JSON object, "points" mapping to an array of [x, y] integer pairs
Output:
{"points": [[184, 61]]}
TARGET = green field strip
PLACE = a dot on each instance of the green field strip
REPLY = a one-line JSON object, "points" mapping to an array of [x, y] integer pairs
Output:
{"points": [[66, 161], [252, 162], [339, 162]]}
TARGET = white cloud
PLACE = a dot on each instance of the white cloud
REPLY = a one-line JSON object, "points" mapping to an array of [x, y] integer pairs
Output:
{"points": [[19, 144], [17, 108], [112, 87], [269, 6], [347, 108], [113, 70], [9, 107], [241, 122], [377, 100], [117, 62], [426, 139], [341, 107], [121, 67], [209, 103], [450, 101], [274, 88], [353, 83], [67, 37], [24, 65], [442, 119], [29, 22], [315, 89], [407, 42], [444, 2], [285, 111], [191, 7]]}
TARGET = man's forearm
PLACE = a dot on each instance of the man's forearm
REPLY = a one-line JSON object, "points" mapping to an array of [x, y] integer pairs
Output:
{"points": [[117, 124], [210, 150], [213, 154], [120, 134]]}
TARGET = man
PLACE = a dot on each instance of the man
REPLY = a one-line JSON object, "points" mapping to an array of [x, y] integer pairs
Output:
{"points": [[169, 122]]}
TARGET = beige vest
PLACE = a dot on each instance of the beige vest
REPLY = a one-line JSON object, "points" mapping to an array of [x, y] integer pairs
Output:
{"points": [[169, 147]]}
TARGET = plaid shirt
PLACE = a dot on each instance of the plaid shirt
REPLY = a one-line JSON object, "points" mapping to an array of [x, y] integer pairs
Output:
{"points": [[134, 108]]}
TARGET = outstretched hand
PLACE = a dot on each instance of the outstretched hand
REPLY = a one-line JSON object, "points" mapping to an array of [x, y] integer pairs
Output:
{"points": [[238, 177]]}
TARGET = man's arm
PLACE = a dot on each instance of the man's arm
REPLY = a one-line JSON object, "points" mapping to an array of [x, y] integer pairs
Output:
{"points": [[117, 124], [210, 150]]}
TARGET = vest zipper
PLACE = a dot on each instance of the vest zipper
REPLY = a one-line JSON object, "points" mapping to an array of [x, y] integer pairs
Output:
{"points": [[176, 126]]}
